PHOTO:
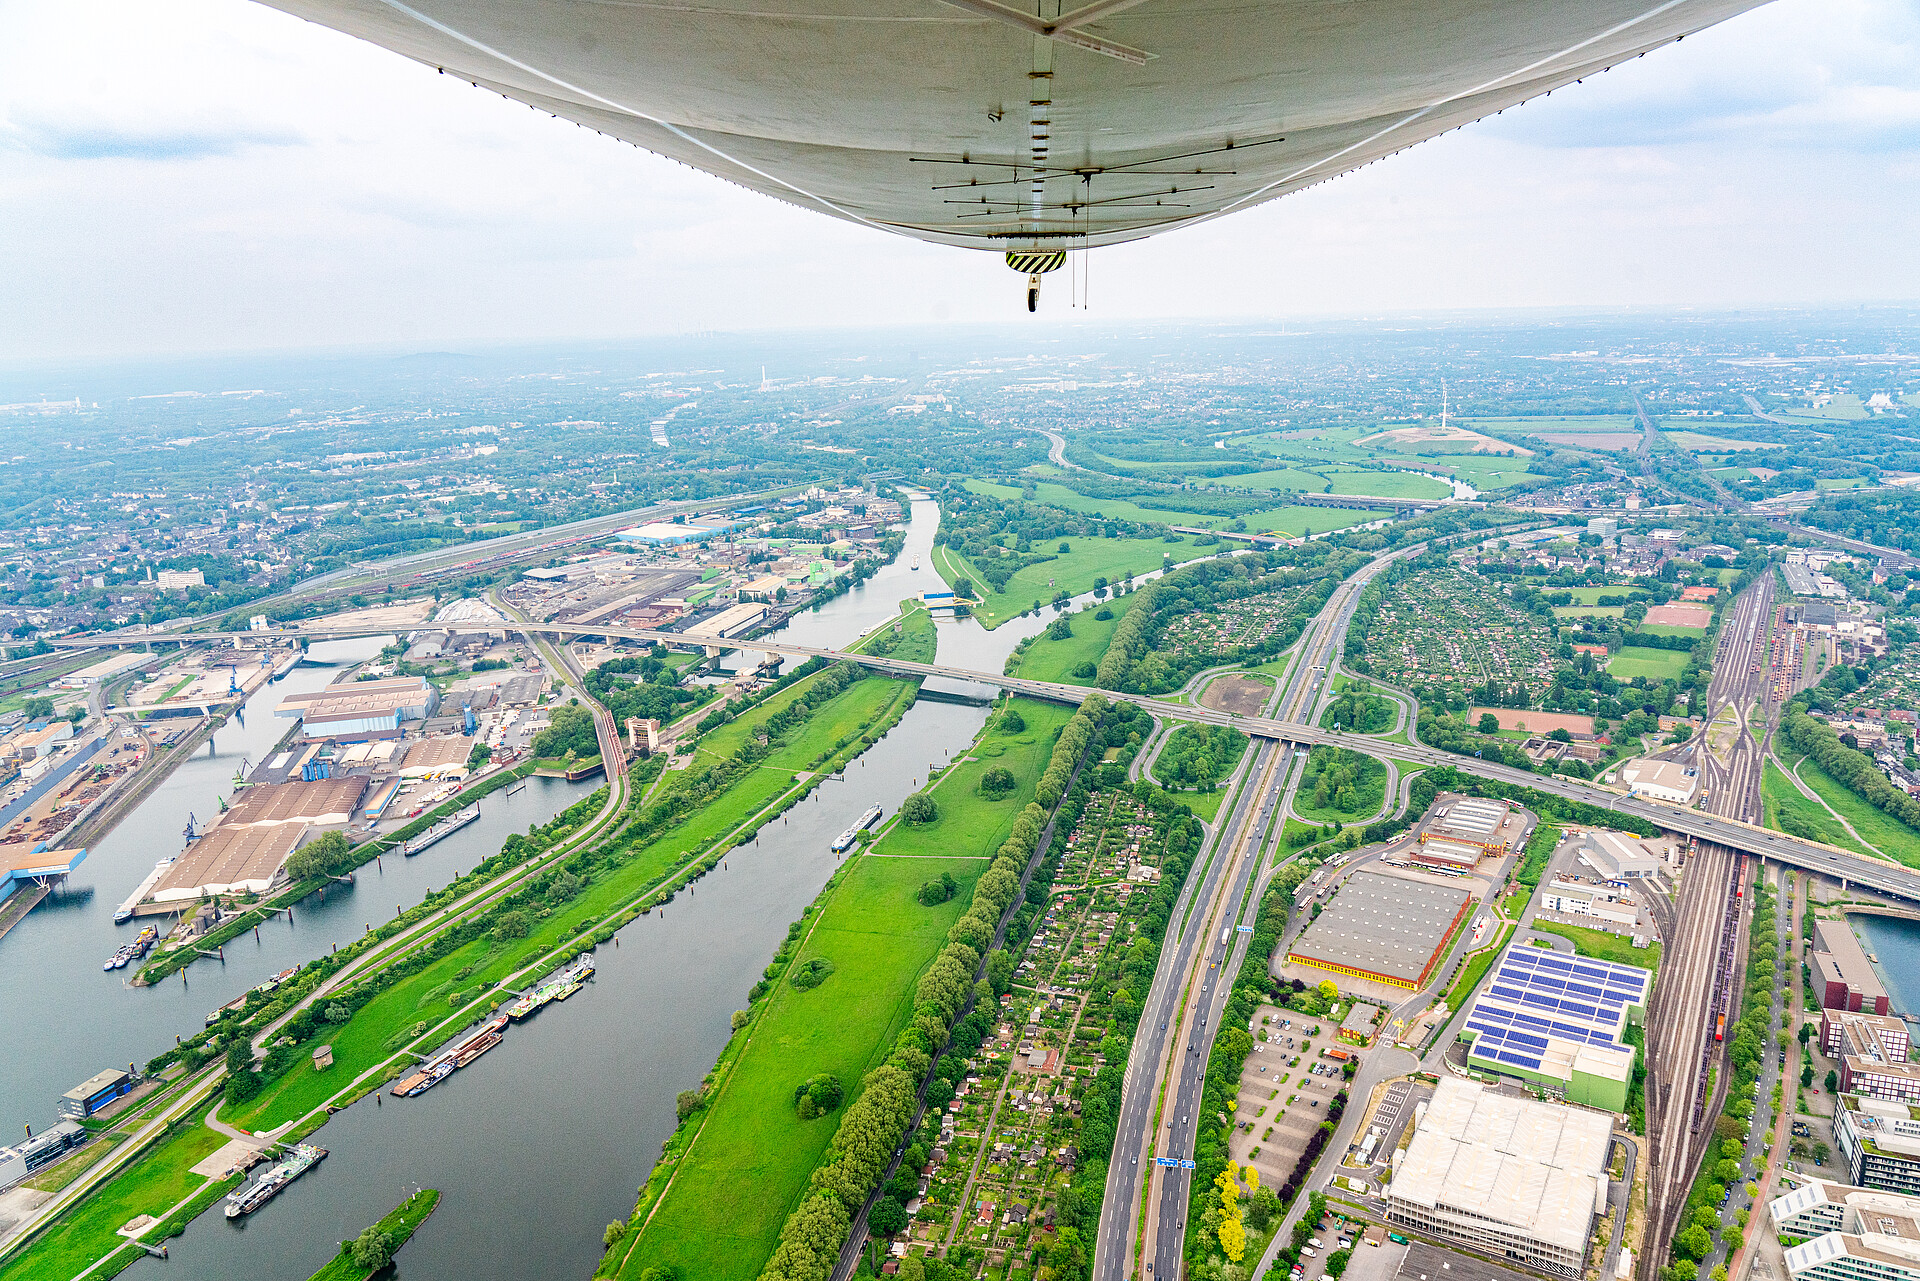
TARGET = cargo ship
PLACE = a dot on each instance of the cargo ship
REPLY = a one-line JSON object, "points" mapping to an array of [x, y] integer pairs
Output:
{"points": [[430, 1074], [245, 1200], [852, 834], [444, 828], [557, 986], [448, 1061]]}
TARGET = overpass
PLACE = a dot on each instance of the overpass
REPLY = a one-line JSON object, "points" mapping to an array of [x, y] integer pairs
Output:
{"points": [[1810, 856]]}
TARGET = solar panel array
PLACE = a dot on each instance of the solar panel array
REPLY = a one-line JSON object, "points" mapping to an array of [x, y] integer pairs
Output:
{"points": [[1536, 994]]}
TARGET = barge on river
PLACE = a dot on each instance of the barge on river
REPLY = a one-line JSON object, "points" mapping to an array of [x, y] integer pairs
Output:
{"points": [[852, 834]]}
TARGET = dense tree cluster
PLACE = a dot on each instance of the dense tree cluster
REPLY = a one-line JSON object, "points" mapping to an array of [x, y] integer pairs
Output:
{"points": [[1854, 769], [1198, 757]]}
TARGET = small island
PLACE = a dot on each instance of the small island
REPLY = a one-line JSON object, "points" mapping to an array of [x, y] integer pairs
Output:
{"points": [[373, 1249]]}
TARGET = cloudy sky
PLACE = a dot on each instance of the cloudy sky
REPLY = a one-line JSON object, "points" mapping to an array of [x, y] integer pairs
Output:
{"points": [[205, 175]]}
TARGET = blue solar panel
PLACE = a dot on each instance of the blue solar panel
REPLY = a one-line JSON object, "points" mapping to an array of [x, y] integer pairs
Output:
{"points": [[1535, 995]]}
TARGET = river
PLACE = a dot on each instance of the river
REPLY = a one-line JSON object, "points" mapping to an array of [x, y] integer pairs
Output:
{"points": [[543, 1142], [1895, 944]]}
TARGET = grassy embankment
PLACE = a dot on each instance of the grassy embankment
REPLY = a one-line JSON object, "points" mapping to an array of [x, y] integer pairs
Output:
{"points": [[1892, 836], [1603, 946], [411, 1013], [152, 1185], [462, 978], [398, 1226], [1787, 810], [1477, 966], [715, 1209], [1072, 571], [1046, 659]]}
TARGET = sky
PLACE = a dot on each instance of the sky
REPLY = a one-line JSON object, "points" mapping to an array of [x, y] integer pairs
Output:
{"points": [[211, 175]]}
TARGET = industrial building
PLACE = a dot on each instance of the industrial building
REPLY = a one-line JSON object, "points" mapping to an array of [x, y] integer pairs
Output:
{"points": [[1842, 975], [667, 534], [98, 1090], [39, 1151], [1880, 1139], [1662, 780], [1872, 1050], [325, 802], [1616, 856], [1601, 901], [1508, 1177], [1385, 928], [1878, 1240], [1559, 1022], [38, 865], [729, 623], [362, 709], [106, 669], [442, 757], [228, 859]]}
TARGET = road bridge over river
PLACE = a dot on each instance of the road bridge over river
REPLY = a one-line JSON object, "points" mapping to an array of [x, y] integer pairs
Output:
{"points": [[1810, 856]]}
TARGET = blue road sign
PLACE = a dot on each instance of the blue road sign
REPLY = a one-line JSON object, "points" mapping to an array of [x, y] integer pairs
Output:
{"points": [[1166, 1160], [1246, 929], [1188, 1165]]}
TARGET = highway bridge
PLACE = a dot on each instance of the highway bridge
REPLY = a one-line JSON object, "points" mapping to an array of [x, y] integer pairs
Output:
{"points": [[1811, 856]]}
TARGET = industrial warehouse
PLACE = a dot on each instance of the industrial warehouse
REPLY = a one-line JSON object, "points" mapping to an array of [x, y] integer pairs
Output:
{"points": [[1389, 929], [1462, 830], [1559, 1022], [357, 710], [1510, 1177]]}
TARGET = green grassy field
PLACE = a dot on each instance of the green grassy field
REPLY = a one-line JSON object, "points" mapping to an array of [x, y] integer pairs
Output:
{"points": [[362, 1042], [1847, 408], [1699, 442], [1780, 799], [1592, 595], [1654, 664], [1387, 484], [1893, 837], [1074, 572], [1603, 946], [1476, 968], [1054, 660], [151, 1185], [1281, 520], [1843, 482], [1488, 472], [735, 1186], [1589, 611], [1292, 478]]}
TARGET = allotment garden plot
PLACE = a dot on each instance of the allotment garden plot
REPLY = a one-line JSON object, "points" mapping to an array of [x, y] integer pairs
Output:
{"points": [[1008, 1144], [1230, 625], [1449, 628]]}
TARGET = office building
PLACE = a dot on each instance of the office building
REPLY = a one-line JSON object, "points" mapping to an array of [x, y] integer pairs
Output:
{"points": [[1510, 1178], [1843, 978], [1880, 1139], [1878, 1240], [1873, 1054], [94, 1093]]}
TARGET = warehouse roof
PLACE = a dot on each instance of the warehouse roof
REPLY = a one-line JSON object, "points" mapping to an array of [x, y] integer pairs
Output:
{"points": [[229, 859], [1536, 1167], [438, 753], [1384, 924], [327, 800]]}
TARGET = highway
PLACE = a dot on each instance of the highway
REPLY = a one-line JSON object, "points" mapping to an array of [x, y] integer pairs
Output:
{"points": [[1166, 1071]]}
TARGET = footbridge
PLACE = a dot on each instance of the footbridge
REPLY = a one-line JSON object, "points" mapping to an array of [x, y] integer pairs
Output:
{"points": [[1811, 856]]}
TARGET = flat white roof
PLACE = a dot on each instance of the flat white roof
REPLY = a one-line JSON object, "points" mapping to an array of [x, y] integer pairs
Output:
{"points": [[1536, 1168]]}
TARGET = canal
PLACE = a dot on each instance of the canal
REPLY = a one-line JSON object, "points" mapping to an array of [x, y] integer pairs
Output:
{"points": [[543, 1143]]}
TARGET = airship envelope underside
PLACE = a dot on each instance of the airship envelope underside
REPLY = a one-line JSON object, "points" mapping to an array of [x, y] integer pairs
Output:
{"points": [[1009, 127]]}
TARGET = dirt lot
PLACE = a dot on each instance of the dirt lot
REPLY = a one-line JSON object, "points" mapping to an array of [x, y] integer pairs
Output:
{"points": [[1680, 615], [1534, 722], [1245, 695]]}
